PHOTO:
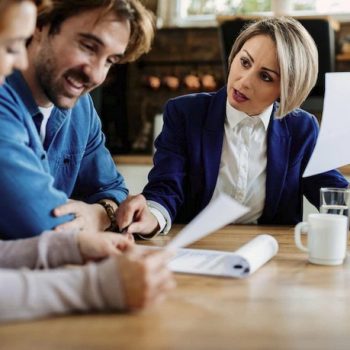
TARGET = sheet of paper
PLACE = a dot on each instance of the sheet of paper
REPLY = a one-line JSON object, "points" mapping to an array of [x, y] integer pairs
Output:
{"points": [[332, 149], [241, 263], [223, 211], [205, 262]]}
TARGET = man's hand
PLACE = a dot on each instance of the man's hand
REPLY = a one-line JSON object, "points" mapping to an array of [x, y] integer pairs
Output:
{"points": [[87, 217], [145, 276], [100, 245], [134, 216]]}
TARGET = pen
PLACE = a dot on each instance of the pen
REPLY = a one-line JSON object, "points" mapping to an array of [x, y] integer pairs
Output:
{"points": [[123, 230]]}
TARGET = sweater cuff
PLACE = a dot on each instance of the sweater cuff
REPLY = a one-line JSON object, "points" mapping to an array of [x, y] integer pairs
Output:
{"points": [[57, 249], [110, 284]]}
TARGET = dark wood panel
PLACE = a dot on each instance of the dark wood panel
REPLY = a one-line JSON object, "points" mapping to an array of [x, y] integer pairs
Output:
{"points": [[185, 44], [176, 52]]}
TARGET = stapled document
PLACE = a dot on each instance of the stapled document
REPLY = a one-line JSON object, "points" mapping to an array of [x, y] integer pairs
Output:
{"points": [[241, 263]]}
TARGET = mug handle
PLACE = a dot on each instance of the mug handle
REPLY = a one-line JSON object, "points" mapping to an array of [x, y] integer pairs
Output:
{"points": [[299, 229]]}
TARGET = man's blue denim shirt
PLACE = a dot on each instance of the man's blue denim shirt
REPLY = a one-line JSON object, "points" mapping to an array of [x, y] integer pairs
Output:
{"points": [[36, 178]]}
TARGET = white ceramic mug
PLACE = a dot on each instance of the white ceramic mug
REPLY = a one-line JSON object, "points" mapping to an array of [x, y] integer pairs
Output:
{"points": [[327, 238]]}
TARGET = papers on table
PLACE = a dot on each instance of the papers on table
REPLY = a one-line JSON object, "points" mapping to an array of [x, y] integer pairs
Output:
{"points": [[244, 261], [332, 149], [222, 211], [240, 263]]}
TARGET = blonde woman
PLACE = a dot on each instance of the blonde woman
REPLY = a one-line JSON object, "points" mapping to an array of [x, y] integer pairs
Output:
{"points": [[249, 140]]}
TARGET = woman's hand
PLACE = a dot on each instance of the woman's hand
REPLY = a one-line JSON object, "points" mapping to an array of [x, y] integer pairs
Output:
{"points": [[100, 245], [145, 277]]}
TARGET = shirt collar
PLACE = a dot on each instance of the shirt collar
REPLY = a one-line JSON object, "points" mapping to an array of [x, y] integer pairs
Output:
{"points": [[17, 82], [235, 116], [46, 111]]}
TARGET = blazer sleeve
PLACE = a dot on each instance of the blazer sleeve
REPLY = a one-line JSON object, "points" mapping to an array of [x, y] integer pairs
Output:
{"points": [[166, 179]]}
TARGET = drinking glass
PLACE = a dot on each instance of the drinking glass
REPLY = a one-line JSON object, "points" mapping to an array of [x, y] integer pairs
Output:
{"points": [[334, 201]]}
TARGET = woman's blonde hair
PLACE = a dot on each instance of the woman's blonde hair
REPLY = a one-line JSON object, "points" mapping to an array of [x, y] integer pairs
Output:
{"points": [[297, 56]]}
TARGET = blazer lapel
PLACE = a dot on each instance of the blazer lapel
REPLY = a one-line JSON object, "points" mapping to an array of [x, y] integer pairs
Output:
{"points": [[212, 139], [278, 148]]}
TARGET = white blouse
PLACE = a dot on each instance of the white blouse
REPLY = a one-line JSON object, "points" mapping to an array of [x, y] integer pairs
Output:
{"points": [[242, 173]]}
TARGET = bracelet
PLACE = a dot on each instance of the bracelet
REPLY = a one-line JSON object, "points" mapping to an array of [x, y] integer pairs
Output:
{"points": [[111, 215]]}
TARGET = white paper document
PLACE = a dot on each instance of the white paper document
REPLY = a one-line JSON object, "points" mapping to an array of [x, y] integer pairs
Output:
{"points": [[240, 263], [243, 262], [332, 149], [222, 211]]}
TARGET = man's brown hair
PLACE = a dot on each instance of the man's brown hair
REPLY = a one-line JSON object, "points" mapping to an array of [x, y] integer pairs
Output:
{"points": [[141, 20]]}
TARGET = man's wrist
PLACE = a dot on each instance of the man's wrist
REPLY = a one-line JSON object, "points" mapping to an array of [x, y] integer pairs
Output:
{"points": [[110, 212], [160, 218], [160, 227], [164, 213]]}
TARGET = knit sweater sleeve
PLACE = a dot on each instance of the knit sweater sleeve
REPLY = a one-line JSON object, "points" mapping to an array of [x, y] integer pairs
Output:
{"points": [[26, 294], [50, 249]]}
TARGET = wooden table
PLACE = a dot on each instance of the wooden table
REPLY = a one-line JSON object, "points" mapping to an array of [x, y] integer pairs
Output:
{"points": [[287, 304]]}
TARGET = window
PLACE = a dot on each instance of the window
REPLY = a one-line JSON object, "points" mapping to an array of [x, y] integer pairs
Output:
{"points": [[214, 7], [185, 12]]}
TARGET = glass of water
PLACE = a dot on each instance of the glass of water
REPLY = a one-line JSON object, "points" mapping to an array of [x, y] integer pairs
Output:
{"points": [[335, 201]]}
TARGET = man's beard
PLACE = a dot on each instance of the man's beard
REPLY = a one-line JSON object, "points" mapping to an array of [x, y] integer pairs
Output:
{"points": [[54, 89]]}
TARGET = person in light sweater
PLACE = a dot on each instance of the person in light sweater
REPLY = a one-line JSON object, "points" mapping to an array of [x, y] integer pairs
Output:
{"points": [[117, 275], [124, 276]]}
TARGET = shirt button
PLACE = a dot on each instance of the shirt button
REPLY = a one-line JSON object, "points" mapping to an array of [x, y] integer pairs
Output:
{"points": [[43, 156]]}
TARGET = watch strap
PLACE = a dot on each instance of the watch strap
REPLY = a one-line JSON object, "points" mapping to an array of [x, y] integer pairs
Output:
{"points": [[111, 215]]}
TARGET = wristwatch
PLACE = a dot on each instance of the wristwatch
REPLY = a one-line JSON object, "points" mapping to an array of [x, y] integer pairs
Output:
{"points": [[111, 215]]}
